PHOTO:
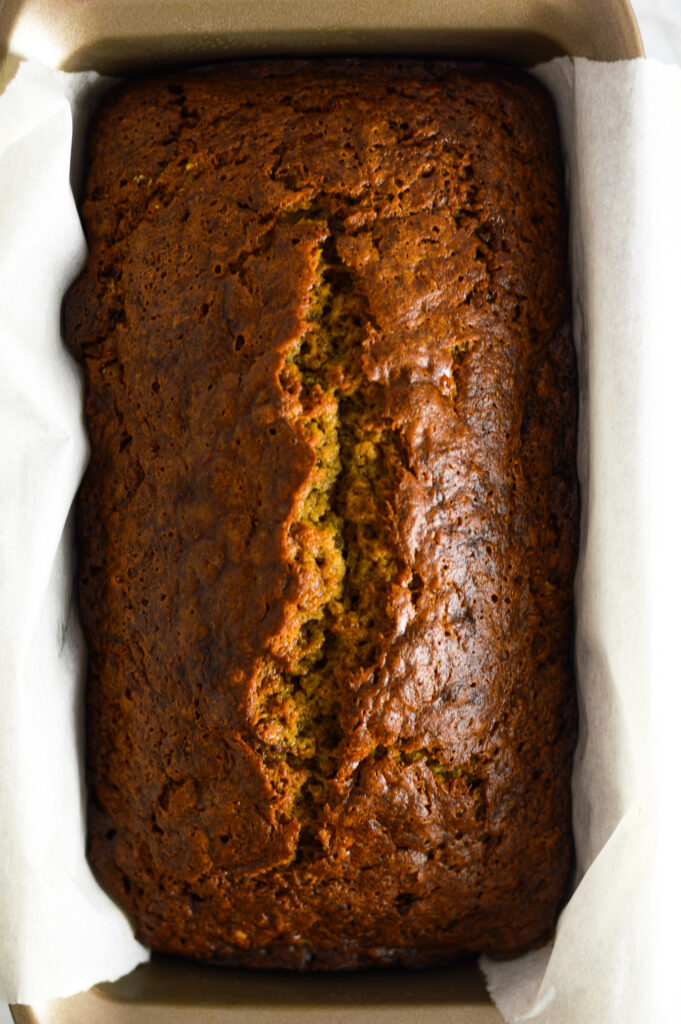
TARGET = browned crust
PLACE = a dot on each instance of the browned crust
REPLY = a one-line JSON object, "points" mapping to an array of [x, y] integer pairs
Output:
{"points": [[398, 790]]}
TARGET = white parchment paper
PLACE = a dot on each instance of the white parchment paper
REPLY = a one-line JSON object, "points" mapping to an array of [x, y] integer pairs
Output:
{"points": [[60, 933], [613, 958]]}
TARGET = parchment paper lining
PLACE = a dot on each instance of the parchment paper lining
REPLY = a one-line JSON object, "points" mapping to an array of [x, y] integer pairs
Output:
{"points": [[61, 933]]}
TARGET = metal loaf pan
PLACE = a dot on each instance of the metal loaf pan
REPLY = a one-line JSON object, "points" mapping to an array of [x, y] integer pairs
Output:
{"points": [[117, 36]]}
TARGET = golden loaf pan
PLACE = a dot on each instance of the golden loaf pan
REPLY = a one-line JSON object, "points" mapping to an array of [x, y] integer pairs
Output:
{"points": [[120, 36]]}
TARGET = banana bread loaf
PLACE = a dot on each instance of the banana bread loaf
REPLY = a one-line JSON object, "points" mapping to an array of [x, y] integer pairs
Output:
{"points": [[328, 532]]}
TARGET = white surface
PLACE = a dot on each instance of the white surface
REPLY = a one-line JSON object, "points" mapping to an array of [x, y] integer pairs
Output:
{"points": [[660, 22]]}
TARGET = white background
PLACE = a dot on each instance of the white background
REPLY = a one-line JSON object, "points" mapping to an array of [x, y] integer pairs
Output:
{"points": [[660, 23]]}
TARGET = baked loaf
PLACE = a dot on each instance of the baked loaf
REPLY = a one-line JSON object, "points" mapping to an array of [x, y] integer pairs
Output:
{"points": [[328, 532]]}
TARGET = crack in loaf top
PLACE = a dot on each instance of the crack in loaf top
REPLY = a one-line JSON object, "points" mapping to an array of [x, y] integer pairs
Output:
{"points": [[328, 532]]}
